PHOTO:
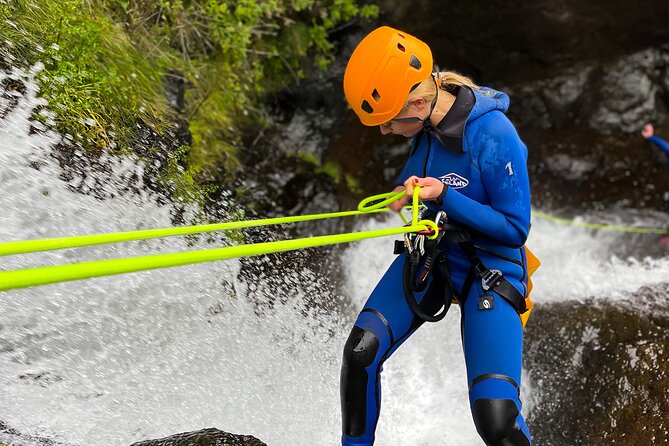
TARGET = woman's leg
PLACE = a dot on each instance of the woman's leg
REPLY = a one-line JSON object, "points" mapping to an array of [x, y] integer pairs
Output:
{"points": [[384, 323], [493, 345]]}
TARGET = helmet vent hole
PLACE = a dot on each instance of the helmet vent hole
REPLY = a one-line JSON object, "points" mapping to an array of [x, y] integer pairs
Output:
{"points": [[414, 62], [401, 35], [366, 107], [401, 48], [376, 95]]}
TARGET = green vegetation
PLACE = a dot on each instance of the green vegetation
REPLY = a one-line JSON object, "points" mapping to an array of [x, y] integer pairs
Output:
{"points": [[94, 77], [333, 170], [106, 63], [181, 181]]}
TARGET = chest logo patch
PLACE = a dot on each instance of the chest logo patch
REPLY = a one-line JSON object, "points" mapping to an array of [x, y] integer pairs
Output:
{"points": [[454, 180]]}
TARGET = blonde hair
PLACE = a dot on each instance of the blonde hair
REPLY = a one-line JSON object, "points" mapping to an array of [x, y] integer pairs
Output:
{"points": [[427, 90]]}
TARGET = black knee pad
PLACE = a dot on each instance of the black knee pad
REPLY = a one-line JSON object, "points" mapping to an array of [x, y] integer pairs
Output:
{"points": [[360, 352], [361, 348], [495, 421]]}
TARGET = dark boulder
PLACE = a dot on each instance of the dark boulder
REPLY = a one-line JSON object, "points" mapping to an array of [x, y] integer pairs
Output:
{"points": [[599, 371]]}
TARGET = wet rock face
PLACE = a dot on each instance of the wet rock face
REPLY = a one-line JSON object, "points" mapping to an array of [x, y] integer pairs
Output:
{"points": [[204, 437], [617, 95], [599, 373], [592, 114]]}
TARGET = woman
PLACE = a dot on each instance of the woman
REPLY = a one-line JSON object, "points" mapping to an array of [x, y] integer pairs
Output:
{"points": [[469, 163]]}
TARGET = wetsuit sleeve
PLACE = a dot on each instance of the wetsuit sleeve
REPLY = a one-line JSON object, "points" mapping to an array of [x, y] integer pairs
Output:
{"points": [[661, 143], [503, 164]]}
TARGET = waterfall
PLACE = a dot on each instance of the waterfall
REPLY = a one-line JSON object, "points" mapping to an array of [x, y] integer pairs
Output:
{"points": [[119, 359]]}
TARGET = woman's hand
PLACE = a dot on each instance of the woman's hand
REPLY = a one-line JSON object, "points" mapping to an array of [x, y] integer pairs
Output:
{"points": [[399, 204], [647, 131], [430, 188]]}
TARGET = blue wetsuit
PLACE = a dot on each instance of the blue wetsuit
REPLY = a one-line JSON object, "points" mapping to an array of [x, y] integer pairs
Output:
{"points": [[662, 144], [478, 154]]}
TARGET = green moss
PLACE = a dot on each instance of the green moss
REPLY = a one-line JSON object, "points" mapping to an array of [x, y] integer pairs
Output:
{"points": [[333, 170], [235, 52], [353, 184], [308, 157]]}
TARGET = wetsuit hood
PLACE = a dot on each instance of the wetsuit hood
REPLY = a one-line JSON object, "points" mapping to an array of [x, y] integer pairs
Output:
{"points": [[488, 100], [468, 105]]}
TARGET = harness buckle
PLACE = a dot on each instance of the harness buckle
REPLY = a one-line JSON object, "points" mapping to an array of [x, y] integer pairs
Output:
{"points": [[490, 279]]}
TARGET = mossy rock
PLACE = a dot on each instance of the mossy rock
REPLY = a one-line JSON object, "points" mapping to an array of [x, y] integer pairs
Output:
{"points": [[599, 371], [204, 437]]}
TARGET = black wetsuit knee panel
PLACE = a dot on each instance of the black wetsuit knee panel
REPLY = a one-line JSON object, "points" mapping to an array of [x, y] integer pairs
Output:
{"points": [[495, 421], [360, 352], [361, 348]]}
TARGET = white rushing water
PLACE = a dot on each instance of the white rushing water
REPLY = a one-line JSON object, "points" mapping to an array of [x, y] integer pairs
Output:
{"points": [[114, 360]]}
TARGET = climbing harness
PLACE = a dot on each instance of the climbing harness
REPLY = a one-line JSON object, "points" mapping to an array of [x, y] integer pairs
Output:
{"points": [[425, 258], [492, 280]]}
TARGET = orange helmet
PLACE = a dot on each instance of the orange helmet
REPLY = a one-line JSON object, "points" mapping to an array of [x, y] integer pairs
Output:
{"points": [[382, 71]]}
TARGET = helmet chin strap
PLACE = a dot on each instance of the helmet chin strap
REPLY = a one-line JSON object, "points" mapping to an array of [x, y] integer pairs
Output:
{"points": [[427, 122]]}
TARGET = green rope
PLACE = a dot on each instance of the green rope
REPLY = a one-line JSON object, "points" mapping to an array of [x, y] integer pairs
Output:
{"points": [[568, 222], [51, 244], [377, 203], [61, 273], [28, 246]]}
